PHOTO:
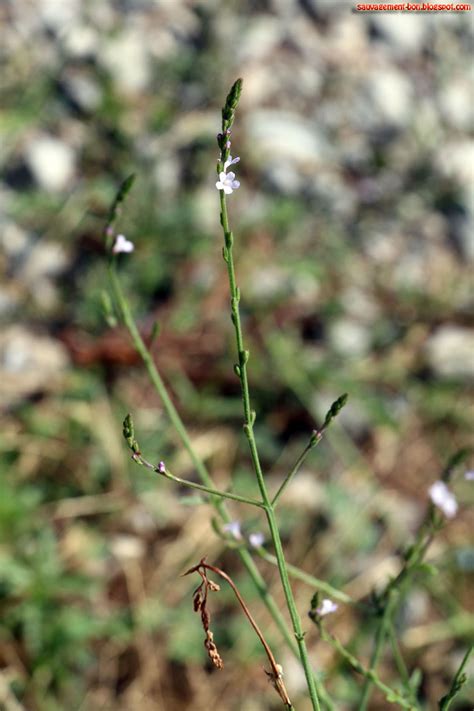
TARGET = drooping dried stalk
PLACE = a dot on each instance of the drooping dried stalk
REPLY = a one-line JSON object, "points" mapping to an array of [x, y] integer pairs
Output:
{"points": [[275, 675]]}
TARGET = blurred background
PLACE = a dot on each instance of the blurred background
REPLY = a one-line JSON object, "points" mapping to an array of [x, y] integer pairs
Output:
{"points": [[353, 239]]}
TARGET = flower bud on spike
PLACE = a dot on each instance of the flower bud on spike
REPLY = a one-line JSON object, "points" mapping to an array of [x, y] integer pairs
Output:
{"points": [[334, 410], [129, 434], [230, 105]]}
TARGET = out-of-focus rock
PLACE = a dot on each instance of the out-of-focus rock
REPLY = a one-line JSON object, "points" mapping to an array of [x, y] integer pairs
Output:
{"points": [[261, 37], [85, 91], [405, 32], [455, 160], [450, 352], [127, 547], [457, 105], [266, 283], [127, 59], [29, 363], [350, 338], [52, 163], [410, 271], [81, 41], [13, 240], [59, 15], [281, 133], [45, 259], [392, 95], [359, 305]]}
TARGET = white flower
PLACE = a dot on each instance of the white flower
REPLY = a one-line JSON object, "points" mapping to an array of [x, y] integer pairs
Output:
{"points": [[256, 539], [443, 498], [230, 161], [326, 607], [469, 476], [233, 527], [227, 182], [122, 244]]}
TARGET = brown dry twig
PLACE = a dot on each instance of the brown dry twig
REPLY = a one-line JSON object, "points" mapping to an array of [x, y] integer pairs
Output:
{"points": [[200, 605]]}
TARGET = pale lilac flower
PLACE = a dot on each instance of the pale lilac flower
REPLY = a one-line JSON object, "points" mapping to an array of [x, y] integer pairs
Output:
{"points": [[233, 527], [227, 183], [469, 476], [443, 498], [230, 161], [256, 539], [326, 607], [162, 468], [122, 244]]}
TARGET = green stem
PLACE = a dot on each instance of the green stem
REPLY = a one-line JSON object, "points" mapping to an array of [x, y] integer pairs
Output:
{"points": [[392, 594], [307, 578], [213, 492], [379, 642], [399, 661], [201, 469], [291, 473], [390, 694], [193, 485], [249, 417], [458, 682]]}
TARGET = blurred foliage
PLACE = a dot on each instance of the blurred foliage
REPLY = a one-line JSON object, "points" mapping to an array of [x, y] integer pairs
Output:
{"points": [[93, 612]]}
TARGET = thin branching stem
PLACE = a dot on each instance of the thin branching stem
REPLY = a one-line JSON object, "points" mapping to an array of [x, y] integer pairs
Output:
{"points": [[390, 694], [137, 457], [219, 504], [391, 596], [289, 477], [249, 418], [460, 678], [307, 578]]}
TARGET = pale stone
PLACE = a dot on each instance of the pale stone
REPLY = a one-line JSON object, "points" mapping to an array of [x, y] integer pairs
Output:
{"points": [[450, 352], [52, 163]]}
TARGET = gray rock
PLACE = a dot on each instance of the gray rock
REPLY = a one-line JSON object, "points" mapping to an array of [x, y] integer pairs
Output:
{"points": [[281, 133], [350, 338], [405, 32], [127, 59], [28, 362], [392, 95], [85, 91], [52, 162], [450, 352]]}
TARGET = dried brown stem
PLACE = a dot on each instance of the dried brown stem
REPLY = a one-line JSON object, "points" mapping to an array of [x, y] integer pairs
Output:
{"points": [[276, 673]]}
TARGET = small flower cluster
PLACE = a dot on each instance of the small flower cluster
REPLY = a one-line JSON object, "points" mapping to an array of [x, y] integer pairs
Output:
{"points": [[234, 529], [227, 181], [443, 498], [321, 608], [327, 607], [122, 245]]}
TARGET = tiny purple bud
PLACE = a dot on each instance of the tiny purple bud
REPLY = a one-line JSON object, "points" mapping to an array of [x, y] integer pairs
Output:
{"points": [[228, 132], [228, 144], [109, 231], [162, 468]]}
